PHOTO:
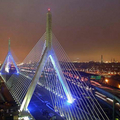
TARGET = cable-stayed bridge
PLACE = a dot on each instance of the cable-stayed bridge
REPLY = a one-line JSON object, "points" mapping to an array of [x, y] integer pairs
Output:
{"points": [[48, 65]]}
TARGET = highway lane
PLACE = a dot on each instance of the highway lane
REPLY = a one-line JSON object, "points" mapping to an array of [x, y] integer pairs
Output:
{"points": [[43, 96], [39, 106]]}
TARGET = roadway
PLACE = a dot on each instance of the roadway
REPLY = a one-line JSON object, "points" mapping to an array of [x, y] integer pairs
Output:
{"points": [[41, 106], [107, 94], [114, 91]]}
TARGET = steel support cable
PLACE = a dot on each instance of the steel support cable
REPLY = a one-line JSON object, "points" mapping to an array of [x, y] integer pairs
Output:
{"points": [[57, 92], [88, 93], [62, 55], [18, 91], [74, 90], [33, 53], [105, 114], [49, 82], [75, 112], [12, 90], [17, 86], [39, 45]]}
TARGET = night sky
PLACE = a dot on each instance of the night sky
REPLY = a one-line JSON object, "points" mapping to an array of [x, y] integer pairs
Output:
{"points": [[86, 29]]}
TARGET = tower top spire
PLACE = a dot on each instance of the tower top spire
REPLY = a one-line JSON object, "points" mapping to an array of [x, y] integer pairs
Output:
{"points": [[9, 44], [49, 29]]}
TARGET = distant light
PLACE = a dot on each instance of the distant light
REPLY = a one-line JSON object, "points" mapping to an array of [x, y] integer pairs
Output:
{"points": [[48, 9], [119, 86], [106, 80]]}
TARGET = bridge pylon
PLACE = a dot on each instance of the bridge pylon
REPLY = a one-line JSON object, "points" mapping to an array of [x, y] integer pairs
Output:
{"points": [[9, 58], [48, 53]]}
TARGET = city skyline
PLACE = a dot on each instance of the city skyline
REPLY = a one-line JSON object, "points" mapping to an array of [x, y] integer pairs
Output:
{"points": [[90, 27]]}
